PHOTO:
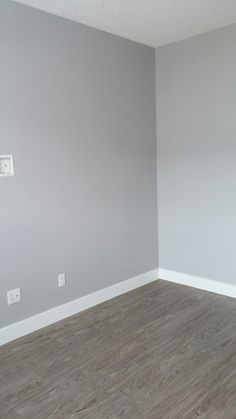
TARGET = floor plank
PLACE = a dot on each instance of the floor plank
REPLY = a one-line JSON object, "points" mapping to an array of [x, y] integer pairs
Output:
{"points": [[163, 351]]}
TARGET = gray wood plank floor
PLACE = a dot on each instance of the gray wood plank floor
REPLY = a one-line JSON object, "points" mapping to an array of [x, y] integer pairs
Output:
{"points": [[163, 351]]}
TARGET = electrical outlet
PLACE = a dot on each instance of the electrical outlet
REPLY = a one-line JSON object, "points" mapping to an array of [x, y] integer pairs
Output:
{"points": [[61, 280], [13, 296]]}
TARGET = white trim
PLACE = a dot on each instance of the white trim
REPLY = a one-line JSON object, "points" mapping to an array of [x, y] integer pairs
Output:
{"points": [[31, 324], [197, 282]]}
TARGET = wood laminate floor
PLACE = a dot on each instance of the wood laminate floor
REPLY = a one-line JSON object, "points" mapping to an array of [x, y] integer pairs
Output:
{"points": [[163, 351]]}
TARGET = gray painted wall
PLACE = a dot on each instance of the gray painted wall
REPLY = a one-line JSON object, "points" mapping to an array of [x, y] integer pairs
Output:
{"points": [[77, 111], [196, 81]]}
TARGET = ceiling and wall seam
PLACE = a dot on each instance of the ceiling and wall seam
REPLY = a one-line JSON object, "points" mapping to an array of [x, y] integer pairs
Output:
{"points": [[150, 22]]}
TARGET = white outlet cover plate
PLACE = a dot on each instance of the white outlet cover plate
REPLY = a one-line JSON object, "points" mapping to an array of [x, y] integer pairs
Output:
{"points": [[61, 280], [13, 296]]}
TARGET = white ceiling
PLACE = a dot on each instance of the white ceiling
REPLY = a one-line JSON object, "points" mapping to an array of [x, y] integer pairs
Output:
{"points": [[151, 22]]}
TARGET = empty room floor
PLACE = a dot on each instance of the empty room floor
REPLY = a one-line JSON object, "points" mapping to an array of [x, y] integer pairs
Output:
{"points": [[161, 351]]}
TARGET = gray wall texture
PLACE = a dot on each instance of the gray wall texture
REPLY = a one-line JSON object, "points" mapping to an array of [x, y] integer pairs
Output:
{"points": [[196, 90], [77, 111]]}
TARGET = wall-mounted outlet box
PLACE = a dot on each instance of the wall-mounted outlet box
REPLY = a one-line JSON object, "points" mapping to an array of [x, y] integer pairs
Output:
{"points": [[6, 166], [61, 280], [13, 296]]}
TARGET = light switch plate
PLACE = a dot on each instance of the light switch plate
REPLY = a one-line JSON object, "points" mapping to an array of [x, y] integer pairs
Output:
{"points": [[6, 165]]}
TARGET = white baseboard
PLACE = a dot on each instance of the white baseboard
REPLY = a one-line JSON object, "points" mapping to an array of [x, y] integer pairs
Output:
{"points": [[197, 282], [31, 324]]}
